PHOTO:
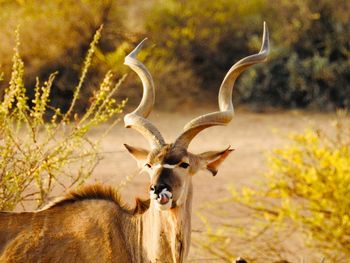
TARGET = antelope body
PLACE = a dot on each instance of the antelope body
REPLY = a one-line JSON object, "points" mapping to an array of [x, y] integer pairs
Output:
{"points": [[92, 225]]}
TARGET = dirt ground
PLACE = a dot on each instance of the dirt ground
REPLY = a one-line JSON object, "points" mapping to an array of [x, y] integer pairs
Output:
{"points": [[252, 135]]}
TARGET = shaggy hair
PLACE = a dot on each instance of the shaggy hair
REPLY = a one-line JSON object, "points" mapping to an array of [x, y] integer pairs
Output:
{"points": [[99, 192]]}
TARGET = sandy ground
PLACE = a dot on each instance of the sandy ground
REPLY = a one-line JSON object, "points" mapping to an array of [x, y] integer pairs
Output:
{"points": [[252, 135]]}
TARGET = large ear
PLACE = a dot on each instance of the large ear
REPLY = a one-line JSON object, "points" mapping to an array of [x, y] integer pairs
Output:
{"points": [[139, 154], [212, 160]]}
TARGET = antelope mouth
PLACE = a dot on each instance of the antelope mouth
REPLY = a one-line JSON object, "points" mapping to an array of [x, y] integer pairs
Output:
{"points": [[163, 200]]}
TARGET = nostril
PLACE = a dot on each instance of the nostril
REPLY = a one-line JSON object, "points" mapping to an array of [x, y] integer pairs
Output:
{"points": [[152, 188]]}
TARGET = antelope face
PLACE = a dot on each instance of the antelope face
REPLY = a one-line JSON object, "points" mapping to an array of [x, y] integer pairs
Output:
{"points": [[171, 168], [169, 176]]}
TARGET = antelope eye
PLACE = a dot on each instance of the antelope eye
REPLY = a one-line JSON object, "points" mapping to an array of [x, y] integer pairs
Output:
{"points": [[184, 165], [148, 165]]}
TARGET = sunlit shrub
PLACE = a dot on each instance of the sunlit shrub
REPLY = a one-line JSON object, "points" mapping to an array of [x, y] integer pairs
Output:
{"points": [[204, 35], [43, 149], [309, 64], [305, 191], [313, 68], [56, 34]]}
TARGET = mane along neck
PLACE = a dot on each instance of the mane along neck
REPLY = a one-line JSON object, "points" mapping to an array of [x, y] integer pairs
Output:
{"points": [[99, 192], [151, 235]]}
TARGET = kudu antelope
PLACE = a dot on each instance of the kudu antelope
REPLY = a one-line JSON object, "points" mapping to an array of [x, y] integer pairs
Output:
{"points": [[91, 224]]}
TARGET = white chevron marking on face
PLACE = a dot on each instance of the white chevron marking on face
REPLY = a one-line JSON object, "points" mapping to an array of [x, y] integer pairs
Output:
{"points": [[168, 166]]}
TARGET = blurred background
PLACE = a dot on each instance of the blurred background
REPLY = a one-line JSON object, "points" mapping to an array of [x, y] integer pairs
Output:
{"points": [[191, 46], [272, 212]]}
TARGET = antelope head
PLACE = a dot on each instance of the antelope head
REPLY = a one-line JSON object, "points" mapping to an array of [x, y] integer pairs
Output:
{"points": [[171, 166]]}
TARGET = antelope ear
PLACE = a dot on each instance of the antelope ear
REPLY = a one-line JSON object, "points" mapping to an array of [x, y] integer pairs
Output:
{"points": [[139, 154], [212, 160]]}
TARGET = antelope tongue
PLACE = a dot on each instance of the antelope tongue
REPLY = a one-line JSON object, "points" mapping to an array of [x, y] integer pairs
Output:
{"points": [[164, 202], [163, 199]]}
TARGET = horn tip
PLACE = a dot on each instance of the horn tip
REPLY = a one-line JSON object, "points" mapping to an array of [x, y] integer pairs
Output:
{"points": [[265, 29], [136, 50], [265, 46], [229, 149]]}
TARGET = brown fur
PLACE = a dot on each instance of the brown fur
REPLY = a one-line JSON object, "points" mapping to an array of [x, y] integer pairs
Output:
{"points": [[92, 224], [167, 154], [100, 192]]}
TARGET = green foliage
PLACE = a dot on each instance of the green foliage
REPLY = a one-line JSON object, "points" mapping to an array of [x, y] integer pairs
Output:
{"points": [[309, 62], [204, 35], [306, 190], [313, 67], [41, 148]]}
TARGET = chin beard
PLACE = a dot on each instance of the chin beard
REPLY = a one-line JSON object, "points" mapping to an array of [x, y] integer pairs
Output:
{"points": [[162, 207]]}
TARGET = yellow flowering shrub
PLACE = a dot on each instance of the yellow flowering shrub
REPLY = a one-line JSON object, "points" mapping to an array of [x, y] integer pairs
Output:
{"points": [[43, 148], [306, 191]]}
